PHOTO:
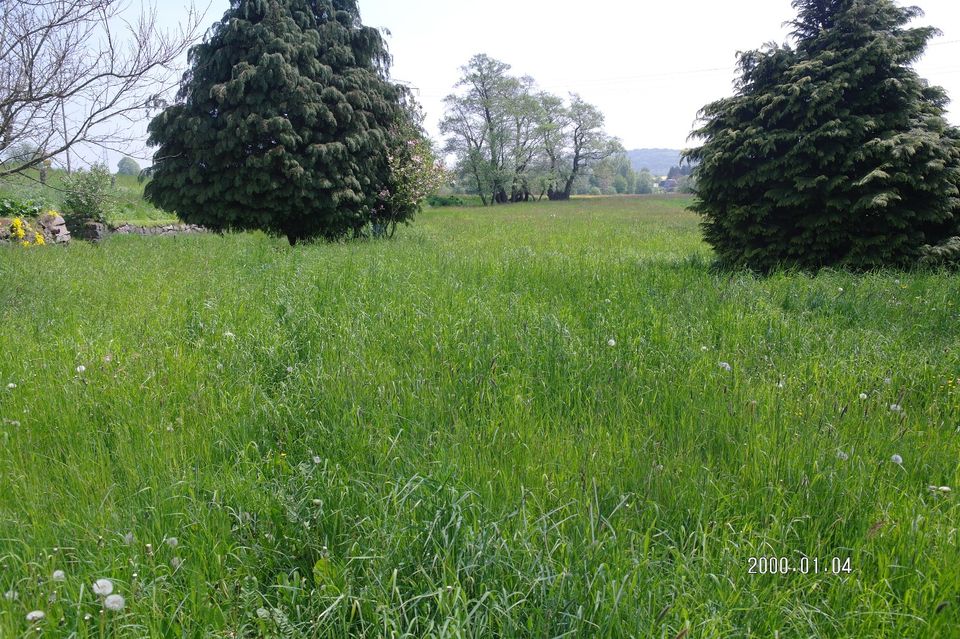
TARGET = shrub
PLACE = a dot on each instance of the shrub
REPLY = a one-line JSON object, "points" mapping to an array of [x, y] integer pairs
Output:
{"points": [[16, 208], [437, 201], [87, 196], [832, 152]]}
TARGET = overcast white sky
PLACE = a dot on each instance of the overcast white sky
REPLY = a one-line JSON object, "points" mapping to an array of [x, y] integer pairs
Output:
{"points": [[649, 66]]}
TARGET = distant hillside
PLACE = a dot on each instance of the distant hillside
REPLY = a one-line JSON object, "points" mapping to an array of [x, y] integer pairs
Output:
{"points": [[658, 161]]}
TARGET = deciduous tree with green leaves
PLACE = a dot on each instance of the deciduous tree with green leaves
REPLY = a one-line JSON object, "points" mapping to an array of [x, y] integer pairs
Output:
{"points": [[833, 151], [282, 123]]}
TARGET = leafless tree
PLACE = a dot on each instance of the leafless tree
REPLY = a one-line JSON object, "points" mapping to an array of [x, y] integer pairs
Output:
{"points": [[80, 73]]}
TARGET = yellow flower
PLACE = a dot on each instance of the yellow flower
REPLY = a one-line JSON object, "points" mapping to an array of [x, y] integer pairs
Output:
{"points": [[38, 239], [24, 243]]}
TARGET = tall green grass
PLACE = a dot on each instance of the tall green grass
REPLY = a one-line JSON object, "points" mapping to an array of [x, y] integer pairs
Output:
{"points": [[515, 422]]}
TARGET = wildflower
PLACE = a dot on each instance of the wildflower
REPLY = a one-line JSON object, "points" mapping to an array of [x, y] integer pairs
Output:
{"points": [[173, 542], [840, 290], [726, 366], [290, 369], [114, 603], [11, 386], [128, 539], [896, 408], [863, 396], [102, 587], [316, 459], [11, 595], [887, 381], [842, 456], [38, 239], [59, 575], [35, 616], [612, 343], [81, 369], [897, 459], [945, 490], [704, 349]]}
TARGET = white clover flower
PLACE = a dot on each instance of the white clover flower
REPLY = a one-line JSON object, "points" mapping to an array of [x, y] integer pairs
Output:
{"points": [[173, 542], [863, 396], [726, 366], [59, 575], [35, 616], [81, 369], [102, 587], [612, 343], [114, 603], [896, 408], [842, 456], [897, 459], [11, 386]]}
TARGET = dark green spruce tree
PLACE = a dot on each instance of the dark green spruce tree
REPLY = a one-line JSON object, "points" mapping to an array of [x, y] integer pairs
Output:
{"points": [[281, 124], [833, 151]]}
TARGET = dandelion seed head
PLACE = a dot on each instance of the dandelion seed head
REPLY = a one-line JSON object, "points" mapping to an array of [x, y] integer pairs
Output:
{"points": [[11, 386], [102, 587], [35, 616], [945, 489], [290, 369], [175, 563], [887, 381], [896, 408], [114, 603], [611, 343], [842, 456], [59, 575], [863, 396], [128, 539], [897, 459], [81, 369], [316, 459], [726, 366], [173, 542], [11, 595]]}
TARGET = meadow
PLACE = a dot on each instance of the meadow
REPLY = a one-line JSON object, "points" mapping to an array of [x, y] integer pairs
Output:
{"points": [[545, 420]]}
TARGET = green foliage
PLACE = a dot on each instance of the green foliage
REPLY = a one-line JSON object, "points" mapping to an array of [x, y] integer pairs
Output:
{"points": [[437, 201], [415, 175], [645, 183], [16, 208], [281, 124], [128, 166], [87, 195], [946, 253], [833, 152]]}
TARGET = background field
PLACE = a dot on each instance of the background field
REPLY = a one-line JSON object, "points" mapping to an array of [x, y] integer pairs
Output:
{"points": [[433, 437]]}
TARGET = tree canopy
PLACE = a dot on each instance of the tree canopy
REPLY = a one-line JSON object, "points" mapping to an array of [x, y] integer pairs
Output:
{"points": [[513, 142], [283, 123], [833, 151]]}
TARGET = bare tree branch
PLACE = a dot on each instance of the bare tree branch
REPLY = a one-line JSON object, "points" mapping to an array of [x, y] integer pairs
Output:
{"points": [[77, 72]]}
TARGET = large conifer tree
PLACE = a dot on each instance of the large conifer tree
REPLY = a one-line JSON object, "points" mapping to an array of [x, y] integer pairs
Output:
{"points": [[281, 124], [832, 151]]}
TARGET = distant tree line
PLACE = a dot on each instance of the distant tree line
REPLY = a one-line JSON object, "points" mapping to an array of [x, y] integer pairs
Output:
{"points": [[515, 143]]}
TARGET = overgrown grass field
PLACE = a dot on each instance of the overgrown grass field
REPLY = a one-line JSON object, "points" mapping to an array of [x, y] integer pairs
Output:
{"points": [[546, 420]]}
